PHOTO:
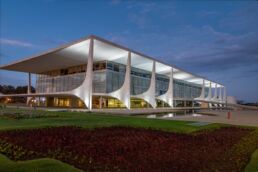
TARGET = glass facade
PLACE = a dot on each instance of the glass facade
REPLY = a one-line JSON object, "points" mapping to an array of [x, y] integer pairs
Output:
{"points": [[186, 90], [63, 102], [49, 84], [109, 76], [140, 81], [100, 102], [60, 80], [162, 83], [112, 78]]}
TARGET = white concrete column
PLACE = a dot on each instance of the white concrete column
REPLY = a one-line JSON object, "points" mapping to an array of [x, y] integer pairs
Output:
{"points": [[202, 96], [84, 91], [208, 98], [224, 95], [123, 94], [168, 96], [89, 77], [149, 95], [126, 94], [220, 93], [215, 93]]}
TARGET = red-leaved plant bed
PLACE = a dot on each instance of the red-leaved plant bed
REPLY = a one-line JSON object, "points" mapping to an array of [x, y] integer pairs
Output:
{"points": [[134, 149]]}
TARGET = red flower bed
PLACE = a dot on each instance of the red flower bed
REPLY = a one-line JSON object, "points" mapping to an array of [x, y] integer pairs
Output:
{"points": [[133, 149]]}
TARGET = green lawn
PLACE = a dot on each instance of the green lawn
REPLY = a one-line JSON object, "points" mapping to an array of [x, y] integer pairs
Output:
{"points": [[37, 165], [253, 164], [91, 120]]}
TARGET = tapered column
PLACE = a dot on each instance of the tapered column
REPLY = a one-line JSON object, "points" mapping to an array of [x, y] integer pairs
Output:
{"points": [[220, 93], [168, 96], [84, 92], [171, 89], [123, 94], [202, 96], [88, 97], [225, 95], [215, 93], [208, 98], [149, 95]]}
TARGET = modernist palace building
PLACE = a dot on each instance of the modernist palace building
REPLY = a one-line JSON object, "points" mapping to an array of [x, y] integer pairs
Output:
{"points": [[94, 73]]}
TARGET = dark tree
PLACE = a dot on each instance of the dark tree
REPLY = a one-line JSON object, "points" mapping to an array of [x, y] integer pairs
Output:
{"points": [[9, 89]]}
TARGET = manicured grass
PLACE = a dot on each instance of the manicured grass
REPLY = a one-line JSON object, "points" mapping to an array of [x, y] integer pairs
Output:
{"points": [[39, 165], [253, 164], [92, 120]]}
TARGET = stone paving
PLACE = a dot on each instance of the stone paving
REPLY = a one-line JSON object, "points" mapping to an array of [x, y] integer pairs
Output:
{"points": [[243, 117]]}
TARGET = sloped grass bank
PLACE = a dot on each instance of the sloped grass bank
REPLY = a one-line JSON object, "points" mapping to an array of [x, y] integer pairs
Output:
{"points": [[253, 164], [134, 149], [39, 165]]}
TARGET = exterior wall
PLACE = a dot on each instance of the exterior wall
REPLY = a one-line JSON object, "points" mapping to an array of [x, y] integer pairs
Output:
{"points": [[50, 84], [109, 76], [140, 81], [102, 84], [186, 90], [60, 101], [60, 80]]}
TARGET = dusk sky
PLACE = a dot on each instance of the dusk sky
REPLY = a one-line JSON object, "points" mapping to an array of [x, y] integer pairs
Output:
{"points": [[215, 39]]}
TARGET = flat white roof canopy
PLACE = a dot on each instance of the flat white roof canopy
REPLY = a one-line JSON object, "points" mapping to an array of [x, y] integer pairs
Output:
{"points": [[76, 53]]}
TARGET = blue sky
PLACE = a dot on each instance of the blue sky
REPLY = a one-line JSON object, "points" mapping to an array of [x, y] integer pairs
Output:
{"points": [[218, 40]]}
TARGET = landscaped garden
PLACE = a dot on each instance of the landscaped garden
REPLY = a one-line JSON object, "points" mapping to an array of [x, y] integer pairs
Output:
{"points": [[94, 142]]}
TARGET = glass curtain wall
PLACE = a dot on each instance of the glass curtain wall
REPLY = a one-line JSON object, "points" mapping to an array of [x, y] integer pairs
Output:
{"points": [[186, 90], [140, 81], [60, 80], [162, 83], [109, 76]]}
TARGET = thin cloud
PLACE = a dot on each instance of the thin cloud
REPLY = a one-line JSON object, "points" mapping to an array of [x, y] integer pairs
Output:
{"points": [[13, 42], [220, 58], [115, 2], [142, 13], [206, 13]]}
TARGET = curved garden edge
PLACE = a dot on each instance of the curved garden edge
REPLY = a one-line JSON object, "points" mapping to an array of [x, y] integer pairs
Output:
{"points": [[253, 163], [40, 165]]}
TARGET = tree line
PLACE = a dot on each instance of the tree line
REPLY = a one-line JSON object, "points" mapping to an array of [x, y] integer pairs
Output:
{"points": [[9, 89]]}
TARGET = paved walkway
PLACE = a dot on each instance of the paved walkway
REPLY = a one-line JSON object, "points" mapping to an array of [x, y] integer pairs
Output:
{"points": [[243, 117]]}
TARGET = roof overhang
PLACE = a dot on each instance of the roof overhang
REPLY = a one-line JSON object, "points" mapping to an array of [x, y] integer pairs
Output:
{"points": [[76, 53]]}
